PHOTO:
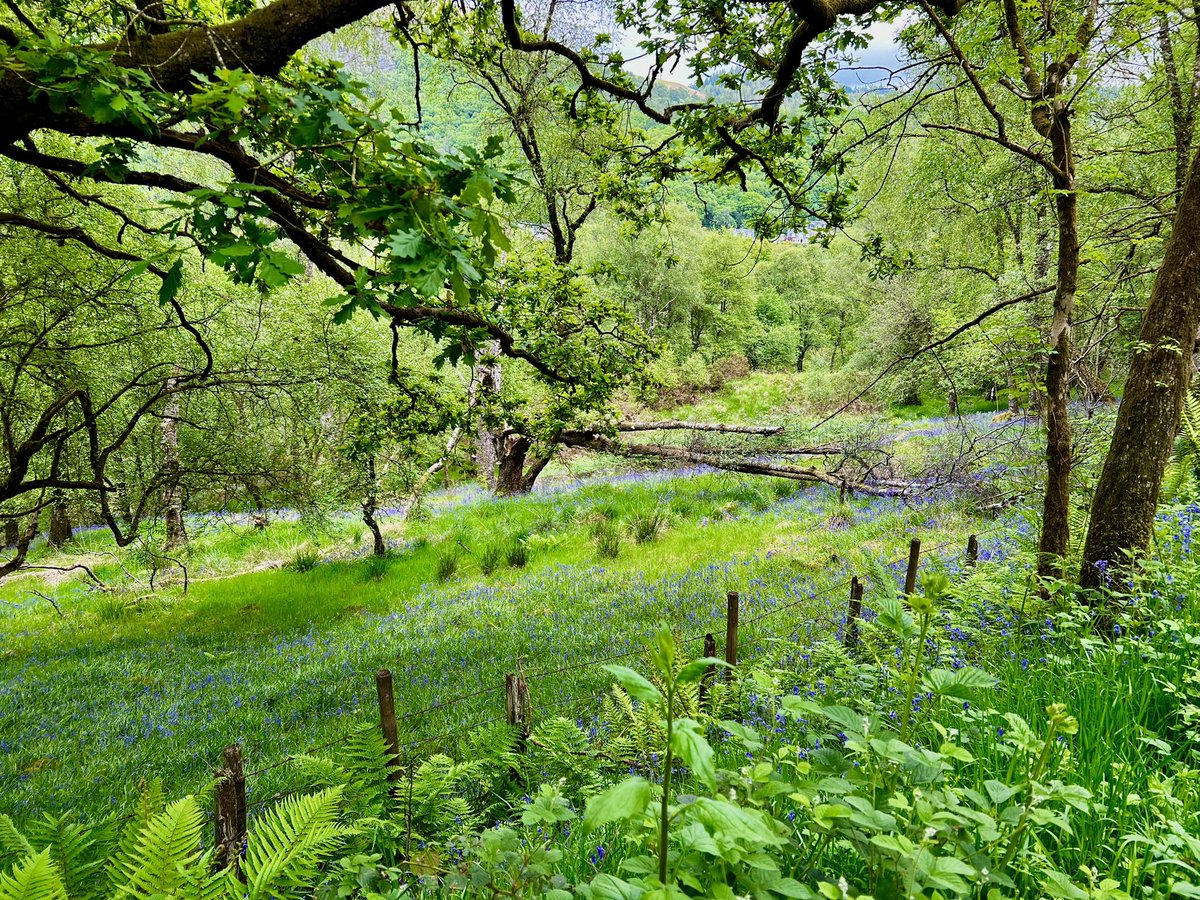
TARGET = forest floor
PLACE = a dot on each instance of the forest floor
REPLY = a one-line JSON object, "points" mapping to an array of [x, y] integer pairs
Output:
{"points": [[122, 688], [276, 641]]}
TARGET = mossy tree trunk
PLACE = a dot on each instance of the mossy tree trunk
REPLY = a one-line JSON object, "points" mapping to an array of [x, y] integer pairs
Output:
{"points": [[60, 521], [517, 472], [1160, 374], [173, 494]]}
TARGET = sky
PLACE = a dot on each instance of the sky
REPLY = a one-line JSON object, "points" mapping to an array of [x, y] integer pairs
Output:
{"points": [[884, 53]]}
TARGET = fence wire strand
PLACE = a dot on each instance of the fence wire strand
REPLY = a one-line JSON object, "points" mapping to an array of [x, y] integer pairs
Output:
{"points": [[592, 697]]}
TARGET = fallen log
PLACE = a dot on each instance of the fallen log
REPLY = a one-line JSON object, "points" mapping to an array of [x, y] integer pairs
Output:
{"points": [[603, 444], [679, 425]]}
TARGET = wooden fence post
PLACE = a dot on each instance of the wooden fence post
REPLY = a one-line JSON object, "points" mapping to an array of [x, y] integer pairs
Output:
{"points": [[731, 628], [230, 818], [387, 721], [850, 640], [972, 550], [710, 649], [914, 558], [517, 706]]}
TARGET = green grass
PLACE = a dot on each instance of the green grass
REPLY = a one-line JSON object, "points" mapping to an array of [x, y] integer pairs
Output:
{"points": [[132, 685], [759, 397]]}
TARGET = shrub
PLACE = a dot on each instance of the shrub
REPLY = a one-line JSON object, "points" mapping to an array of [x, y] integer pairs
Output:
{"points": [[776, 350], [694, 374], [729, 368]]}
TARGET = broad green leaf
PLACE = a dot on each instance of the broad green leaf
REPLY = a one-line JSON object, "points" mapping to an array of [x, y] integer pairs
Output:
{"points": [[850, 721], [999, 791], [406, 244], [696, 669], [748, 736], [636, 685], [621, 801], [689, 743], [171, 283], [964, 683], [607, 887], [827, 814], [728, 821]]}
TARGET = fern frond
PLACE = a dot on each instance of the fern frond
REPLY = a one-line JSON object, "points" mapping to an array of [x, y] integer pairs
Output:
{"points": [[289, 842], [73, 851], [11, 840], [35, 878], [1077, 522], [367, 762], [151, 802], [1182, 475], [166, 853], [438, 778]]}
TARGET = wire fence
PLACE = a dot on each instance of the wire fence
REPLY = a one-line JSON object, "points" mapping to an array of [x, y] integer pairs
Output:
{"points": [[748, 627]]}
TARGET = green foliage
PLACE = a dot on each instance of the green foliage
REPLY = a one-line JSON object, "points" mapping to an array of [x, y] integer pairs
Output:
{"points": [[289, 842], [377, 567], [903, 774], [34, 878], [1182, 476], [161, 855]]}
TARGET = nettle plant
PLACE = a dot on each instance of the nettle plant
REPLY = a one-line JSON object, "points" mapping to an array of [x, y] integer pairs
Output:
{"points": [[858, 804]]}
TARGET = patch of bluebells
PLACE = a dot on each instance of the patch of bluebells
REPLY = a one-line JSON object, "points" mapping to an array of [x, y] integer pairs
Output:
{"points": [[127, 711]]}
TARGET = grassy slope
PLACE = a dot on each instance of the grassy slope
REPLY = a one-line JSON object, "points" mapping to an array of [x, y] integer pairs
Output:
{"points": [[280, 660]]}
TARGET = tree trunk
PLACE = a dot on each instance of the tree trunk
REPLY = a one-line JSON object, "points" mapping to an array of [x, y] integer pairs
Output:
{"points": [[1148, 419], [21, 546], [517, 473], [370, 505], [12, 533], [60, 521], [173, 494], [1056, 505], [603, 444], [488, 443]]}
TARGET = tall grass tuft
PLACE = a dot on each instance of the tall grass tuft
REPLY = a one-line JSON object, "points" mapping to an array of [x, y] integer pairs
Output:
{"points": [[448, 565], [491, 557], [648, 525], [377, 566], [516, 554], [607, 535], [305, 560]]}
